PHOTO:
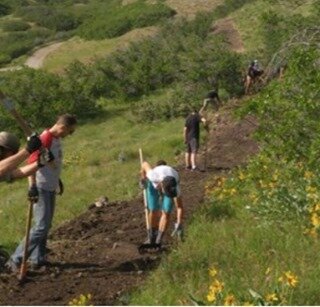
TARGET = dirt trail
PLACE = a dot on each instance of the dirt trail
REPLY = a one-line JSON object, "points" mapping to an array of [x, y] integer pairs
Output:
{"points": [[36, 60], [97, 253]]}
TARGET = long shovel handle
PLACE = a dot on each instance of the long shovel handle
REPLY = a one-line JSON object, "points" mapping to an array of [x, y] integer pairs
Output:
{"points": [[145, 201], [23, 269]]}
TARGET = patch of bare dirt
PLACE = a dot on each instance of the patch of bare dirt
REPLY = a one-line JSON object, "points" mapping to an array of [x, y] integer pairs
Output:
{"points": [[227, 27], [97, 252]]}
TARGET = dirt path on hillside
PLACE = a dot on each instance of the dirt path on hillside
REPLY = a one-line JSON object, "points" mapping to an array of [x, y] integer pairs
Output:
{"points": [[97, 253], [36, 60], [227, 27]]}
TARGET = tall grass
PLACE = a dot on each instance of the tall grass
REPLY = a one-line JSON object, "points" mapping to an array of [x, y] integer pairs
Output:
{"points": [[242, 249]]}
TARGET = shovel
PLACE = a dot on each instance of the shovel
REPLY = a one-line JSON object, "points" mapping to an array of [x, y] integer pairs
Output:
{"points": [[23, 269]]}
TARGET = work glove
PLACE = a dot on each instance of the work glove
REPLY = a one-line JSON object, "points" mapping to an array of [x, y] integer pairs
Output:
{"points": [[143, 183], [33, 193], [61, 188], [45, 156], [178, 231], [33, 143]]}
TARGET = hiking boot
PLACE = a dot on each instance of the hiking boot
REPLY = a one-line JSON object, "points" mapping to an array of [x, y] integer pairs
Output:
{"points": [[195, 169], [42, 266]]}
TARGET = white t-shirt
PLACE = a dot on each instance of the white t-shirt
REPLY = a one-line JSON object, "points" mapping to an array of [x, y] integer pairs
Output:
{"points": [[157, 174]]}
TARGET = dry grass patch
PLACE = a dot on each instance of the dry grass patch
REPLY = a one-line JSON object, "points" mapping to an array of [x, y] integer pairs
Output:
{"points": [[189, 8], [87, 51]]}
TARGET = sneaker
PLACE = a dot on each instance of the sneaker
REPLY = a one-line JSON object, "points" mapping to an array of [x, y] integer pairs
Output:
{"points": [[11, 266], [188, 168], [195, 169]]}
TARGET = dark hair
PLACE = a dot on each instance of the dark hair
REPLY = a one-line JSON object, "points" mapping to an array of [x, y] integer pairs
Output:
{"points": [[67, 120], [169, 184], [161, 162]]}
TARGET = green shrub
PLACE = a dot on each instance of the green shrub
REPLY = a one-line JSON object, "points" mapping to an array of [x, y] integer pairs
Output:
{"points": [[38, 93], [15, 25], [50, 17], [4, 9]]}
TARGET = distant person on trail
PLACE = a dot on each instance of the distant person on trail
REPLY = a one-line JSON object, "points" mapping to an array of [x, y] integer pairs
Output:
{"points": [[10, 158], [253, 73], [163, 193], [43, 186], [191, 134], [212, 98]]}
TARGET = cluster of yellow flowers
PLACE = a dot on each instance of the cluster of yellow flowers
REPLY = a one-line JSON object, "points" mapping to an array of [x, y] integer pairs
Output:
{"points": [[215, 293], [82, 300], [216, 184], [314, 229], [283, 286]]}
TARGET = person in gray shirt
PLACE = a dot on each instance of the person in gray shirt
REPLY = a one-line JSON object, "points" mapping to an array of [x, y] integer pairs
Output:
{"points": [[44, 185]]}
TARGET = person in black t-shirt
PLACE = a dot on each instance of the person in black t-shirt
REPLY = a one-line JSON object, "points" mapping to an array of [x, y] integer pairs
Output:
{"points": [[253, 73], [212, 98], [191, 134]]}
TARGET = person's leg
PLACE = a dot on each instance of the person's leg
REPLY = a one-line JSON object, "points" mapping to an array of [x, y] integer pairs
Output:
{"points": [[154, 212], [39, 230], [247, 84], [194, 144], [167, 206], [42, 246], [188, 160]]}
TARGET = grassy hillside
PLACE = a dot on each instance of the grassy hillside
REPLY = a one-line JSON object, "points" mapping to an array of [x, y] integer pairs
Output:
{"points": [[259, 226], [89, 51]]}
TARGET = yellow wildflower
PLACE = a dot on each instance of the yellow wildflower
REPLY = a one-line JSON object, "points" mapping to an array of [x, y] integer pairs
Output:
{"points": [[241, 176], [229, 300], [233, 191], [315, 220], [217, 286], [308, 175], [211, 297], [270, 298], [292, 279], [268, 271], [213, 272]]}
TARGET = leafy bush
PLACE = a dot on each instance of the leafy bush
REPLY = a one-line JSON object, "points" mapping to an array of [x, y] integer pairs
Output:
{"points": [[41, 96], [113, 19], [49, 17], [15, 25], [16, 44], [4, 9]]}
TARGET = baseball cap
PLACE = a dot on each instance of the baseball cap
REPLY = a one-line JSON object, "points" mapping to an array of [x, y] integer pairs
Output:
{"points": [[169, 184], [9, 141]]}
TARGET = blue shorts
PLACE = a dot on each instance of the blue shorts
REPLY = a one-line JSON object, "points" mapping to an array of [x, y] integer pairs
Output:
{"points": [[154, 200]]}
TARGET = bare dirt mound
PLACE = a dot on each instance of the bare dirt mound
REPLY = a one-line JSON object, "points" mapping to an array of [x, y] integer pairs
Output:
{"points": [[227, 27], [97, 252]]}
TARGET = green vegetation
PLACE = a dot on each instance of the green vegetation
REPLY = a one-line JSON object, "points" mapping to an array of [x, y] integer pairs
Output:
{"points": [[262, 217], [44, 21], [111, 20], [260, 223]]}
